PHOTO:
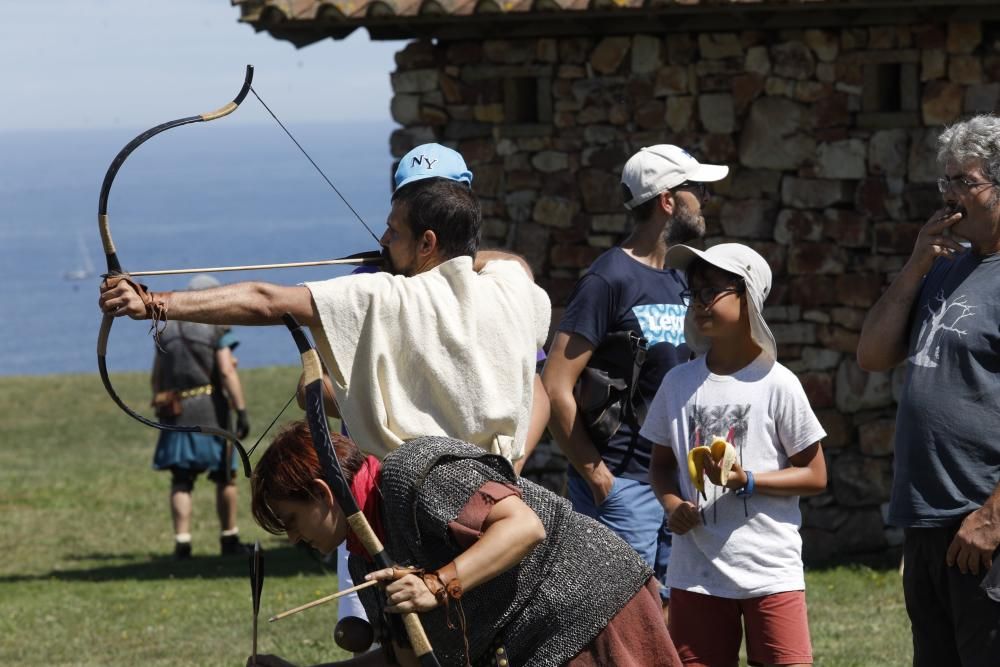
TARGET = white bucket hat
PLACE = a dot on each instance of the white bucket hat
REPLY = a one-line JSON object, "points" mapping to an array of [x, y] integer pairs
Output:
{"points": [[739, 260], [656, 169]]}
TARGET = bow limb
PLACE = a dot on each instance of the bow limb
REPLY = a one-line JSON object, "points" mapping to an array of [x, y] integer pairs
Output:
{"points": [[114, 266], [334, 477]]}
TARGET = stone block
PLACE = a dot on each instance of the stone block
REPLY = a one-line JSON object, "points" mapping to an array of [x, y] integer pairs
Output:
{"points": [[600, 191], [794, 333], [982, 98], [775, 86], [859, 390], [405, 109], [806, 258], [847, 227], [832, 111], [813, 192], [864, 531], [573, 256], [464, 53], [681, 49], [793, 60], [818, 546], [592, 114], [716, 113], [875, 438], [870, 197], [966, 70], [757, 61], [838, 338], [750, 184], [861, 290], [650, 115], [819, 389], [839, 431], [713, 45], [941, 103], [826, 72], [609, 54], [887, 152], [509, 51], [933, 64], [554, 212], [680, 111], [964, 36], [520, 204], [824, 43], [748, 218], [574, 50], [746, 88], [816, 316], [861, 481], [403, 140], [416, 55], [896, 237], [415, 81], [841, 159], [646, 54], [820, 359], [929, 36], [550, 161], [922, 164], [775, 135], [546, 50], [882, 37], [811, 91], [671, 80], [849, 318], [794, 225], [782, 313], [615, 223]]}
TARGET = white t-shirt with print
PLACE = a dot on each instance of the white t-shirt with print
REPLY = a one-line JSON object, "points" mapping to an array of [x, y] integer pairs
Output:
{"points": [[749, 549]]}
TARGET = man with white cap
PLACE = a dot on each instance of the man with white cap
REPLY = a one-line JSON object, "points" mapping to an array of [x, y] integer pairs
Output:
{"points": [[444, 343], [737, 553], [622, 331]]}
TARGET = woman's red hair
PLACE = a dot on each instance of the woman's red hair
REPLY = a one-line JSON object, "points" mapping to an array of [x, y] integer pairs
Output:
{"points": [[287, 469]]}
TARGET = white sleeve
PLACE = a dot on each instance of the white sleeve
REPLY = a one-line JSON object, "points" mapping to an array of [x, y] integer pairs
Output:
{"points": [[796, 423]]}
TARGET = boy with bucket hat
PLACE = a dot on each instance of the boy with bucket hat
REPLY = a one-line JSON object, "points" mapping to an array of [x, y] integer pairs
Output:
{"points": [[737, 553], [623, 329]]}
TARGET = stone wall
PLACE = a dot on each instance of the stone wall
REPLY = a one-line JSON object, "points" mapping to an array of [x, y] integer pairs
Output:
{"points": [[830, 135]]}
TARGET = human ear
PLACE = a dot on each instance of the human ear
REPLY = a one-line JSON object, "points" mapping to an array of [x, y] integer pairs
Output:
{"points": [[321, 490], [428, 243], [666, 202]]}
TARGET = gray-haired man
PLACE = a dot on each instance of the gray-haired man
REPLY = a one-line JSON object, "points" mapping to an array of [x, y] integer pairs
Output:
{"points": [[941, 313]]}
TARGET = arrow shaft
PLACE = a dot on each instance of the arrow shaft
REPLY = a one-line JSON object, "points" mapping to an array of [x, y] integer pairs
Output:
{"points": [[258, 267]]}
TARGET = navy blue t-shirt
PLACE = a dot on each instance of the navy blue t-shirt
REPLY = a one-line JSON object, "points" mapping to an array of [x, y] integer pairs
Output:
{"points": [[619, 293]]}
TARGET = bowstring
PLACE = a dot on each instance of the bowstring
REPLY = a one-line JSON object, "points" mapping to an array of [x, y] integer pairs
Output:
{"points": [[276, 418], [316, 166]]}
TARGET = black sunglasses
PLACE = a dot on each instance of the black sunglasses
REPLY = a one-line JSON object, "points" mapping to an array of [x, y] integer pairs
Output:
{"points": [[698, 189], [707, 295]]}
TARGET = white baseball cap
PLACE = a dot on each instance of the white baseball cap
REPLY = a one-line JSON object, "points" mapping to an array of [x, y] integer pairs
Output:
{"points": [[656, 169], [744, 262]]}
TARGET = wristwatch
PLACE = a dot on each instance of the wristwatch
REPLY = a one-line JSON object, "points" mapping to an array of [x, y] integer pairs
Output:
{"points": [[747, 489]]}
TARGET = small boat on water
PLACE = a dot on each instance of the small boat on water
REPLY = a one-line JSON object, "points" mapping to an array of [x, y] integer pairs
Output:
{"points": [[86, 269]]}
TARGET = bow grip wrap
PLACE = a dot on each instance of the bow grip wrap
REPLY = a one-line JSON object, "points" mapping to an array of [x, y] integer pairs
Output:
{"points": [[333, 474]]}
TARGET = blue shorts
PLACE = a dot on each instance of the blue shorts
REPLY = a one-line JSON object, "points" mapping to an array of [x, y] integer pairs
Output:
{"points": [[634, 513]]}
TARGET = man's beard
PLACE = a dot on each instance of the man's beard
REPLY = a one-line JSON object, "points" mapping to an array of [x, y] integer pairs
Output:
{"points": [[686, 225], [387, 264]]}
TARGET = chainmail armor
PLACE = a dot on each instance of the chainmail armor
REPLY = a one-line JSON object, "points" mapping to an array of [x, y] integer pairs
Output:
{"points": [[545, 609]]}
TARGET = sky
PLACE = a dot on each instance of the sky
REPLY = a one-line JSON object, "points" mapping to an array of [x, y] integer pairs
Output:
{"points": [[68, 64]]}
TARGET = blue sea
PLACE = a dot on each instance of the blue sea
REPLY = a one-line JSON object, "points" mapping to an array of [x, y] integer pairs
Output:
{"points": [[207, 194]]}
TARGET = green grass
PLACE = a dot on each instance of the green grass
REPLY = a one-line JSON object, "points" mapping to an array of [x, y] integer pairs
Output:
{"points": [[86, 576]]}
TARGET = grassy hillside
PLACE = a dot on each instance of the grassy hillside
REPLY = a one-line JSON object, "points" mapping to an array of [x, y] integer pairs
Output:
{"points": [[87, 576]]}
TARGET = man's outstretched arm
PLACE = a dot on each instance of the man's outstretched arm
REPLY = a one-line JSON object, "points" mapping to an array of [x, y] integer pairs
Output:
{"points": [[249, 303]]}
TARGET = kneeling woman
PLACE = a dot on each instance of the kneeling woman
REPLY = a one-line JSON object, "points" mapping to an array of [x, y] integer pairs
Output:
{"points": [[506, 564]]}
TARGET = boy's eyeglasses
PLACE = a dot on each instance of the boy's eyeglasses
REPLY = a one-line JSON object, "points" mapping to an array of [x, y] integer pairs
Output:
{"points": [[699, 190], [947, 183], [708, 295]]}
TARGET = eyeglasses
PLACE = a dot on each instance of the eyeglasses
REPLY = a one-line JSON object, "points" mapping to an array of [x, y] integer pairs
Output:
{"points": [[698, 189], [708, 295], [947, 183]]}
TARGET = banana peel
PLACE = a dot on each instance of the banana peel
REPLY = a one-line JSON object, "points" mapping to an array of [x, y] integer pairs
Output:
{"points": [[721, 451]]}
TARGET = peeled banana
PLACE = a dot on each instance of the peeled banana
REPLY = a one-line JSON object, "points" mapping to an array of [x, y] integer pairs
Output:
{"points": [[721, 451]]}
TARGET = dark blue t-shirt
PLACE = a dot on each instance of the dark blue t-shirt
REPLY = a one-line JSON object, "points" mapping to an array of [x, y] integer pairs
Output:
{"points": [[947, 446], [619, 293]]}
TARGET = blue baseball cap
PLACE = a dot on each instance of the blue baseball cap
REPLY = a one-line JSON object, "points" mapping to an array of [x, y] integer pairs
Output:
{"points": [[432, 161]]}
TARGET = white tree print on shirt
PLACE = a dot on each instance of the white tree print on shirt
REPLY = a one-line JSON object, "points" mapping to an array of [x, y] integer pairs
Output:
{"points": [[944, 318]]}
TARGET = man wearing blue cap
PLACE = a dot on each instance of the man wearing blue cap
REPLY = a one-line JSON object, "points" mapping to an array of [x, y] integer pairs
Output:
{"points": [[442, 343]]}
